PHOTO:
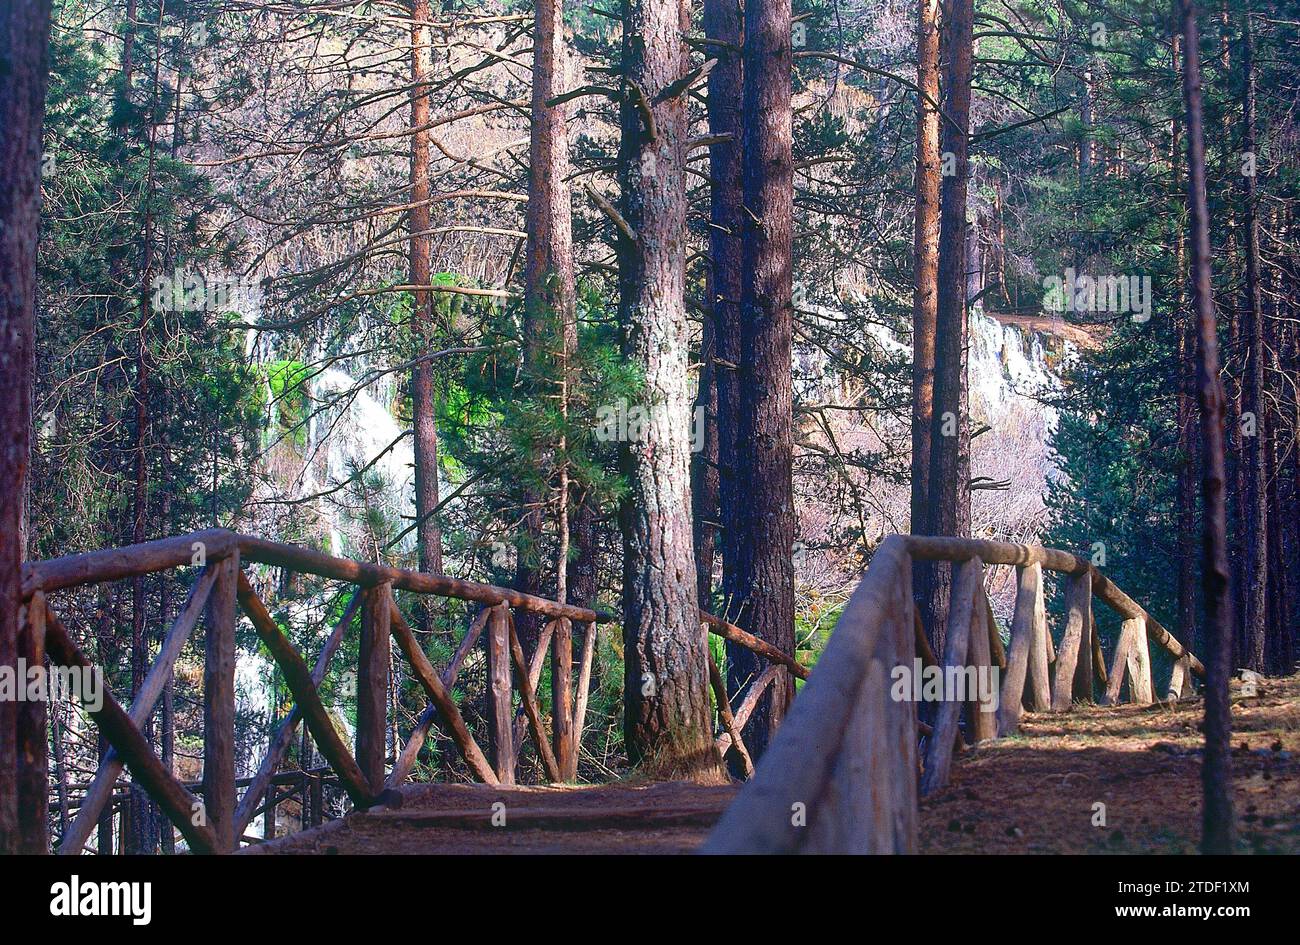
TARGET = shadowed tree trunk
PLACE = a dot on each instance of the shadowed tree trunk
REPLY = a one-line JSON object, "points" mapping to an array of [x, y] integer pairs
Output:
{"points": [[1254, 477], [24, 59], [949, 429], [1218, 829], [765, 571], [667, 722], [1186, 397], [722, 26], [925, 296]]}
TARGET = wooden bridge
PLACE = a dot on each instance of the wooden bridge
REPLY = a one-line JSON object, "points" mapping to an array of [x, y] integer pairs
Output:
{"points": [[842, 774]]}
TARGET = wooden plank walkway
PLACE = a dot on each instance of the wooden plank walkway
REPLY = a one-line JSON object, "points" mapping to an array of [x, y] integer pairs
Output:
{"points": [[447, 819]]}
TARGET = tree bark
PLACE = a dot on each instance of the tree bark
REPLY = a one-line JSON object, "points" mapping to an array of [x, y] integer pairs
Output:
{"points": [[925, 294], [24, 65], [949, 430], [764, 591], [1254, 474], [667, 723], [721, 351], [1218, 829], [428, 534], [1186, 380]]}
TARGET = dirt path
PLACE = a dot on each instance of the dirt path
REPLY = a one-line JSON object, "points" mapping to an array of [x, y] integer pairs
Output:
{"points": [[1035, 793], [453, 818]]}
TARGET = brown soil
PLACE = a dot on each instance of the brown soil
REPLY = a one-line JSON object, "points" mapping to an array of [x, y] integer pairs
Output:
{"points": [[672, 817], [1034, 793]]}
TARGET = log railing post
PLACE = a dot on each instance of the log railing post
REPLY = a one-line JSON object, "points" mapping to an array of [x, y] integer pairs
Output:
{"points": [[500, 713], [967, 577], [1180, 680], [981, 717], [219, 705], [1078, 602], [1138, 657], [1083, 669], [33, 757], [1028, 654], [580, 704], [562, 698], [373, 666]]}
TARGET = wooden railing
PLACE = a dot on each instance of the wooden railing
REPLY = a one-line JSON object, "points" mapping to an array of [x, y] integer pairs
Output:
{"points": [[842, 774], [217, 823]]}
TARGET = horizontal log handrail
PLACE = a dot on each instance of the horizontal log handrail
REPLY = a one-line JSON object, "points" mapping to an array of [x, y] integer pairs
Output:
{"points": [[149, 557], [932, 548]]}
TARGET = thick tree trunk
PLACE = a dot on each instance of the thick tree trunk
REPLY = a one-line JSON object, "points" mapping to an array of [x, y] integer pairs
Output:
{"points": [[428, 535], [949, 430], [667, 722], [1254, 474], [765, 571], [1218, 829], [24, 59], [925, 293]]}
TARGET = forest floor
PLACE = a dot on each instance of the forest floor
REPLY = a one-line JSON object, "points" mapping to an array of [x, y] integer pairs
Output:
{"points": [[1035, 792]]}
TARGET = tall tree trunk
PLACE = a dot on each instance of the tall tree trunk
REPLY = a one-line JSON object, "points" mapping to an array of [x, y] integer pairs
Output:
{"points": [[949, 429], [722, 27], [142, 837], [715, 489], [667, 721], [1218, 829], [1227, 304], [765, 570], [428, 535], [925, 293], [550, 301], [24, 64], [1254, 475], [1186, 379]]}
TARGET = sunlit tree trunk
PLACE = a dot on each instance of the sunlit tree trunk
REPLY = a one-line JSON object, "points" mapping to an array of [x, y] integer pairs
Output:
{"points": [[667, 722]]}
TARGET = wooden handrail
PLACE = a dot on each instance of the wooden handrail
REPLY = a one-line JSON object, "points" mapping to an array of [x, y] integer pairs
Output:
{"points": [[841, 773], [212, 544], [937, 548]]}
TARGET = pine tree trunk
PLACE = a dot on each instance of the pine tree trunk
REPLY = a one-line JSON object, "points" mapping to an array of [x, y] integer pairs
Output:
{"points": [[24, 58], [1186, 379], [1218, 828], [925, 295], [667, 721], [949, 430], [1254, 477], [722, 26], [765, 571], [428, 534], [715, 479], [549, 291]]}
